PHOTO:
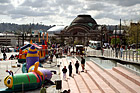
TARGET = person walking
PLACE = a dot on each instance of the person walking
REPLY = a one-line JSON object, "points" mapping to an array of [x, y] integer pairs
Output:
{"points": [[4, 56], [51, 57], [70, 69], [82, 64], [102, 50], [78, 51], [77, 66], [121, 50], [64, 70], [117, 50]]}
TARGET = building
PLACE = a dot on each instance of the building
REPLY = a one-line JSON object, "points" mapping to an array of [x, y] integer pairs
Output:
{"points": [[82, 29], [55, 30]]}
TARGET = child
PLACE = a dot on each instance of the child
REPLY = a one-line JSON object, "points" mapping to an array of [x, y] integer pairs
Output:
{"points": [[64, 70]]}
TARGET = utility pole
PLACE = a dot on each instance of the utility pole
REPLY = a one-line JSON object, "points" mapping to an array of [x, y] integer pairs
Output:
{"points": [[101, 37], [23, 38], [115, 40], [120, 35], [137, 35], [23, 28], [137, 24]]}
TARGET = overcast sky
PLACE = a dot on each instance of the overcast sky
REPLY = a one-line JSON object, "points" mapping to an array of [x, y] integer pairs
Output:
{"points": [[58, 12]]}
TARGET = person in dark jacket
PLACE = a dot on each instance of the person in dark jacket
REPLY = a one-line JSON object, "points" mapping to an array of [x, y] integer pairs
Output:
{"points": [[4, 56], [70, 69], [11, 57], [77, 66], [64, 70], [51, 57], [83, 64]]}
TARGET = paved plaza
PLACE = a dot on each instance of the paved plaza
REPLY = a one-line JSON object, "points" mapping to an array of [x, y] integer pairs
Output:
{"points": [[12, 65], [94, 79]]}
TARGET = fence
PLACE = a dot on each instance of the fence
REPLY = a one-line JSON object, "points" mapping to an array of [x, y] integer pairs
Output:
{"points": [[127, 55]]}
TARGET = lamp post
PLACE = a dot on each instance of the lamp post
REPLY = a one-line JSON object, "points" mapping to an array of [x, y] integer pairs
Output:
{"points": [[137, 41], [120, 34], [22, 38], [100, 29], [116, 51], [137, 35], [22, 33]]}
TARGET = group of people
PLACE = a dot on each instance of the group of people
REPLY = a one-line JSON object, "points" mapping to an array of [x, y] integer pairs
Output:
{"points": [[11, 57], [64, 70]]}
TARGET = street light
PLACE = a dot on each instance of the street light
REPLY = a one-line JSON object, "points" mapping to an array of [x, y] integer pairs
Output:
{"points": [[120, 35], [22, 33], [137, 41], [100, 29], [115, 42]]}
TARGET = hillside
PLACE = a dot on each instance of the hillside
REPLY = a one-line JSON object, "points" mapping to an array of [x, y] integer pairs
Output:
{"points": [[15, 28]]}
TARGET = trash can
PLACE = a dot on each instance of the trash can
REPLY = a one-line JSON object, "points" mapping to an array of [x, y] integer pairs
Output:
{"points": [[58, 84]]}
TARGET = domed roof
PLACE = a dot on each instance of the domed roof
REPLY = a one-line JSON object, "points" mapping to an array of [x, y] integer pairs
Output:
{"points": [[84, 19], [56, 28]]}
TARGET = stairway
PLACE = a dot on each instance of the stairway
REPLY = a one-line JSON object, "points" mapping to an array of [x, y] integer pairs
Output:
{"points": [[97, 80]]}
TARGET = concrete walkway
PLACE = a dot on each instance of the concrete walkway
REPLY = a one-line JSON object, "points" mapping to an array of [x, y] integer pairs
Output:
{"points": [[93, 80]]}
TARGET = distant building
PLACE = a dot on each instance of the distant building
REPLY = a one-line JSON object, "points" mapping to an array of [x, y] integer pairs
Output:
{"points": [[7, 39], [55, 30], [84, 28]]}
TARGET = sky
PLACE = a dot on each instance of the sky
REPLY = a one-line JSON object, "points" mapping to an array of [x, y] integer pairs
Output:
{"points": [[63, 12]]}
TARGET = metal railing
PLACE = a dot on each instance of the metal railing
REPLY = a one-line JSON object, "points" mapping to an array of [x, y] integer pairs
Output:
{"points": [[127, 55]]}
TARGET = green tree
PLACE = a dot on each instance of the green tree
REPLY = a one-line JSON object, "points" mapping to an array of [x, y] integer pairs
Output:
{"points": [[113, 41], [134, 33]]}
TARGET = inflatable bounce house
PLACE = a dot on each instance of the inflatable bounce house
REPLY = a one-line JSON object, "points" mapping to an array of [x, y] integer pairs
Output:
{"points": [[31, 57], [34, 79], [40, 49]]}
